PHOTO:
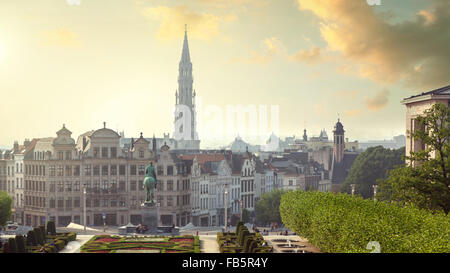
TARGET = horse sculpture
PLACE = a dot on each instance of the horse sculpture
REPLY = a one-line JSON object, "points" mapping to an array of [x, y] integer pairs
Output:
{"points": [[149, 184]]}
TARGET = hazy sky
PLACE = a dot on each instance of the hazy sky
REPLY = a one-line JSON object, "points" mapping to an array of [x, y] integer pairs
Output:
{"points": [[117, 61]]}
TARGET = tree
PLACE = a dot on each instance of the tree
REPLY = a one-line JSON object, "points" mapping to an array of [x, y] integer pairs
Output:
{"points": [[425, 182], [5, 207], [372, 164], [267, 209]]}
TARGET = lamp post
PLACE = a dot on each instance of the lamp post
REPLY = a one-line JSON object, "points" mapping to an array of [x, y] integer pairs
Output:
{"points": [[375, 192], [226, 207], [353, 188], [241, 203], [84, 208]]}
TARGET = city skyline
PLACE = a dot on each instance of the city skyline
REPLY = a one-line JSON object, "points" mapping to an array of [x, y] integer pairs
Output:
{"points": [[62, 63]]}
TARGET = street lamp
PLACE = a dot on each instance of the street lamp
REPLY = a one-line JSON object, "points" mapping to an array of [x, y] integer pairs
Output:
{"points": [[84, 208], [375, 192], [353, 188], [226, 207], [241, 204]]}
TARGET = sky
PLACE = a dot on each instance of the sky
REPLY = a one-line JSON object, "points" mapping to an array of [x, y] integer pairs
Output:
{"points": [[307, 62]]}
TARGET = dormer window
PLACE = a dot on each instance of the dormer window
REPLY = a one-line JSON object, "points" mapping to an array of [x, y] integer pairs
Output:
{"points": [[141, 153], [104, 152]]}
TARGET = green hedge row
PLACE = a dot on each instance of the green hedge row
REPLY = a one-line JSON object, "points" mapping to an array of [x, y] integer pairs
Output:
{"points": [[344, 223], [241, 241], [38, 241]]}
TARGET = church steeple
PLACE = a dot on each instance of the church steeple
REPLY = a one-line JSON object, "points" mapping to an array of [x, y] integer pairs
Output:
{"points": [[185, 95], [185, 56]]}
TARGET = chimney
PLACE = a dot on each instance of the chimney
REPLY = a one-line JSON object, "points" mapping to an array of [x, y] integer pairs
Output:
{"points": [[26, 142], [16, 146]]}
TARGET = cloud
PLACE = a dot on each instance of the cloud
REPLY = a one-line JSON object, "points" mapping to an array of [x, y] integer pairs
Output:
{"points": [[203, 26], [379, 101], [226, 4], [347, 93], [61, 37], [312, 56], [385, 52], [270, 47], [352, 113]]}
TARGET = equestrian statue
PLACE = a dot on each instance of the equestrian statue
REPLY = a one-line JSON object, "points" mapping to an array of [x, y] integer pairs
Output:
{"points": [[150, 184]]}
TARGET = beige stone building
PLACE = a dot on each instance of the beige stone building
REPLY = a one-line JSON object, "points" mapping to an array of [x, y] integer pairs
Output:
{"points": [[415, 106]]}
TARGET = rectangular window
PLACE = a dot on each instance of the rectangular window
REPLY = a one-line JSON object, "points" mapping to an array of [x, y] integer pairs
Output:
{"points": [[169, 170], [60, 203], [60, 170], [96, 170], [76, 171], [160, 170], [52, 186], [52, 203], [114, 185], [122, 202], [141, 153], [87, 170], [105, 170], [122, 170], [169, 201], [104, 152], [132, 169], [105, 185], [68, 186], [96, 152], [60, 155], [132, 185], [60, 186], [77, 186], [96, 185], [76, 202], [68, 155], [141, 170], [141, 185], [113, 152], [113, 169], [69, 202], [121, 186], [169, 185], [96, 203], [113, 203], [68, 170], [105, 203]]}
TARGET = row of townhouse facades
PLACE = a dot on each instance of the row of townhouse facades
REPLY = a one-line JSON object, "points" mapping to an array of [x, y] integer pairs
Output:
{"points": [[52, 178]]}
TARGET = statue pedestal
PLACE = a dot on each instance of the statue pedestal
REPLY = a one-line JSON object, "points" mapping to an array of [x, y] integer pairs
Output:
{"points": [[150, 216]]}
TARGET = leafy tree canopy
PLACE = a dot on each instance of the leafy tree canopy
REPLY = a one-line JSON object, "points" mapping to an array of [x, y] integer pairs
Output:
{"points": [[267, 209], [5, 207], [372, 164], [425, 182]]}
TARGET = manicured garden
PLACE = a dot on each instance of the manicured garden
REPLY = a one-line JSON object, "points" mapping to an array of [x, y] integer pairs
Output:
{"points": [[39, 240], [242, 241], [345, 223], [145, 244]]}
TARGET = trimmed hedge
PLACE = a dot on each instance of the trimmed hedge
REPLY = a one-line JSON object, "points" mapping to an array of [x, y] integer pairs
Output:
{"points": [[241, 242], [31, 238], [344, 223], [51, 228], [12, 245], [20, 242]]}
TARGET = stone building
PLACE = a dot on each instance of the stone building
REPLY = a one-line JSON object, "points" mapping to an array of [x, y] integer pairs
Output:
{"points": [[415, 106]]}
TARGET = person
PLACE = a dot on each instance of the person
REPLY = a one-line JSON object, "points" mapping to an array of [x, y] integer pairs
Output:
{"points": [[197, 233], [286, 233]]}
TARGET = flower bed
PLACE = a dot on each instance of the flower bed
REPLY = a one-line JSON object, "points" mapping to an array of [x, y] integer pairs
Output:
{"points": [[113, 244]]}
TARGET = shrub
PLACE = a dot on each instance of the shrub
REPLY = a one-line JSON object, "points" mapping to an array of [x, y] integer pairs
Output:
{"points": [[38, 235], [60, 244], [344, 223], [6, 248], [239, 224], [44, 232], [51, 228], [72, 236], [31, 238], [20, 242], [12, 245]]}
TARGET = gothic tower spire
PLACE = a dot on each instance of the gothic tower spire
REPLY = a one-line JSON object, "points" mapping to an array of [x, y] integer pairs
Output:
{"points": [[186, 94]]}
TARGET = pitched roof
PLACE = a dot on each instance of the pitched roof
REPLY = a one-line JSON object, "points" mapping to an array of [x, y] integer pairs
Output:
{"points": [[202, 158], [340, 170], [440, 91]]}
